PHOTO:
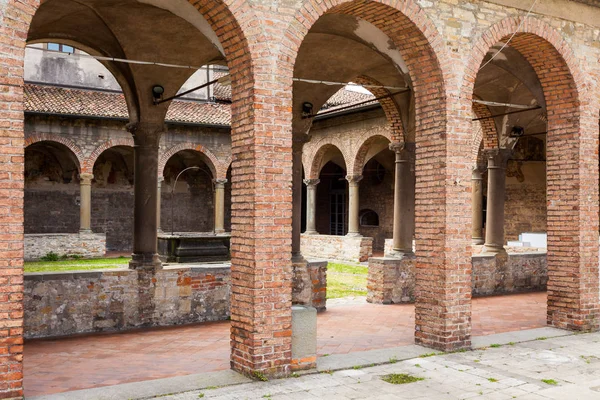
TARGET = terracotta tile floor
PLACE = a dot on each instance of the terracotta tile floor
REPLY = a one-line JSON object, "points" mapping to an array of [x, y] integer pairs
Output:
{"points": [[53, 366]]}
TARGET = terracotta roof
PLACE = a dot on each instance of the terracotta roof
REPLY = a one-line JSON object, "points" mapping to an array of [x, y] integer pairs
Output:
{"points": [[88, 103]]}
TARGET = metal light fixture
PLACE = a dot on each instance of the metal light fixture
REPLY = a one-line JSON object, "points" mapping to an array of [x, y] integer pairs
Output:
{"points": [[157, 92], [307, 109], [516, 131]]}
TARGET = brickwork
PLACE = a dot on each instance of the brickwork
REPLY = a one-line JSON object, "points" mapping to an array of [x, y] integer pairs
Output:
{"points": [[443, 44], [310, 284], [572, 169], [489, 133]]}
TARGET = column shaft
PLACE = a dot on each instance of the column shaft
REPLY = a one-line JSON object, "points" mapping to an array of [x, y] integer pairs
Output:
{"points": [[85, 204], [298, 144], [404, 197], [146, 138], [494, 230], [159, 203], [311, 206], [477, 206], [353, 204], [220, 205]]}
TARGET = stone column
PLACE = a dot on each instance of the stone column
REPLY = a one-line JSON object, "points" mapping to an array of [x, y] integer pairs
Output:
{"points": [[146, 138], [158, 203], [311, 206], [494, 230], [85, 204], [404, 197], [353, 204], [220, 206], [477, 206], [297, 146]]}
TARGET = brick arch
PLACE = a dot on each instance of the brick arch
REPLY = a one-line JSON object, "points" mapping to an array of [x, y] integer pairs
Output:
{"points": [[477, 143], [218, 169], [572, 166], [68, 143], [359, 160], [487, 126], [90, 161], [443, 303], [316, 161], [389, 106]]}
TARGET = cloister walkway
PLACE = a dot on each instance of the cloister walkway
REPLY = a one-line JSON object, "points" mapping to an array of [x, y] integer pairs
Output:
{"points": [[348, 325]]}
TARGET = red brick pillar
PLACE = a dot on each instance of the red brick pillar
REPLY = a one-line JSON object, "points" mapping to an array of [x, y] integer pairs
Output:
{"points": [[261, 267]]}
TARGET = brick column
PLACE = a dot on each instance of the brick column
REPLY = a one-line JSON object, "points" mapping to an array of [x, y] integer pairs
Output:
{"points": [[158, 203], [85, 203], [311, 206], [477, 206], [353, 204], [146, 139], [220, 206], [494, 229], [404, 197]]}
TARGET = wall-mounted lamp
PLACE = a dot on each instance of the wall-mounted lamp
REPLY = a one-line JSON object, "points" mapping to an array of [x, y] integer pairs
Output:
{"points": [[307, 109], [516, 131], [157, 92]]}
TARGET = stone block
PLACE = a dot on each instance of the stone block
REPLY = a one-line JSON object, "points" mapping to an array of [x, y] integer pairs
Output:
{"points": [[304, 338]]}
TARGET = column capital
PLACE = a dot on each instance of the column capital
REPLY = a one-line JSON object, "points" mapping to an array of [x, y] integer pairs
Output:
{"points": [[498, 158], [161, 179], [85, 179], [476, 171], [146, 134], [312, 182], [220, 183], [354, 179], [398, 147]]}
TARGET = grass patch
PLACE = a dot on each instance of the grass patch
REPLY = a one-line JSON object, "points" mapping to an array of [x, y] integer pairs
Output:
{"points": [[76, 265], [400, 379], [346, 280], [492, 379], [495, 345], [550, 382]]}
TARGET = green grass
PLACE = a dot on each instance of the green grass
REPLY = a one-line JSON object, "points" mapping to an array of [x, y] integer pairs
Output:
{"points": [[550, 382], [346, 280], [400, 379], [76, 265]]}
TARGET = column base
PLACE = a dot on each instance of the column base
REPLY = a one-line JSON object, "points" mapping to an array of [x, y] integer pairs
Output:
{"points": [[477, 241], [400, 253], [84, 231], [493, 249], [298, 258], [311, 233], [220, 232], [353, 234], [145, 261]]}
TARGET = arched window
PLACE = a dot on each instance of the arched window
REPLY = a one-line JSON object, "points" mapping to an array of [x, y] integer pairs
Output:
{"points": [[369, 218]]}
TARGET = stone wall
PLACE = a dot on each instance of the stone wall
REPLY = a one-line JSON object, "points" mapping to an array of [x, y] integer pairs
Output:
{"points": [[391, 280], [59, 304], [87, 245], [525, 206], [342, 248], [309, 286]]}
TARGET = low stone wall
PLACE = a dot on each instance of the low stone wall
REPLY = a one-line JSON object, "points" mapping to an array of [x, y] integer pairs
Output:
{"points": [[509, 273], [343, 248], [391, 280], [88, 245], [59, 304]]}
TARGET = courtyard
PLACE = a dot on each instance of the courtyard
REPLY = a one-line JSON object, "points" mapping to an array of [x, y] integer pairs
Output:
{"points": [[350, 326]]}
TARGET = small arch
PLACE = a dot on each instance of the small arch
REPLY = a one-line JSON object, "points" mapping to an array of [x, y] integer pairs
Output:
{"points": [[52, 161], [326, 152], [218, 169], [368, 218], [367, 149], [68, 143], [90, 161]]}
